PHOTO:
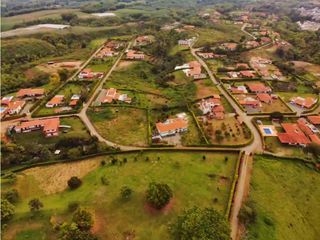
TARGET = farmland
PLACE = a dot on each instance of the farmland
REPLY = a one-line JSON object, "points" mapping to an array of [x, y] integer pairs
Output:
{"points": [[209, 179]]}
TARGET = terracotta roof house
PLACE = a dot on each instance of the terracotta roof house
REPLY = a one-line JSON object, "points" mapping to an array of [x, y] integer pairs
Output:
{"points": [[265, 40], [134, 55], [106, 52], [229, 46], [207, 55], [15, 107], [112, 95], [74, 100], [186, 42], [57, 100], [247, 74], [252, 44], [6, 100], [314, 138], [172, 126], [143, 40], [293, 135], [89, 74], [218, 112], [50, 126], [314, 119], [206, 105], [264, 97], [242, 66], [194, 70], [30, 92], [250, 102], [303, 125], [238, 89], [258, 88], [307, 102]]}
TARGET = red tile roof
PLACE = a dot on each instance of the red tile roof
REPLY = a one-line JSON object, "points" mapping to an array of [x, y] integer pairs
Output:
{"points": [[314, 119], [30, 92], [258, 87], [171, 125], [264, 97], [293, 138], [307, 102], [304, 127], [314, 138]]}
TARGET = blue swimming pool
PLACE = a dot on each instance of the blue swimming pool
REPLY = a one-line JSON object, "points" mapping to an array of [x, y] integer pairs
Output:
{"points": [[267, 130]]}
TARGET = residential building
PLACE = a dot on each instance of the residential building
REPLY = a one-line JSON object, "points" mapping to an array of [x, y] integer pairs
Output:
{"points": [[74, 100], [15, 107], [172, 126], [50, 126], [293, 135], [247, 74], [56, 101], [258, 88], [264, 97], [143, 40], [6, 100], [134, 55], [30, 92], [307, 102], [314, 119], [89, 74], [112, 95]]}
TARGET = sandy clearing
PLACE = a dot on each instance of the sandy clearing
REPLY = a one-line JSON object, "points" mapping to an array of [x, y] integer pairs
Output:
{"points": [[124, 64], [53, 178]]}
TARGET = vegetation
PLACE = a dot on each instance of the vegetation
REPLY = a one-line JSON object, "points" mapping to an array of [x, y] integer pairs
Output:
{"points": [[158, 195], [202, 224], [74, 183]]}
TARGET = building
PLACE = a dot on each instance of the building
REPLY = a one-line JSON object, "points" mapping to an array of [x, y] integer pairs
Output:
{"points": [[56, 101], [229, 46], [249, 102], [258, 88], [50, 126], [238, 89], [207, 55], [88, 74], [30, 92], [207, 105], [252, 44], [314, 119], [242, 66], [247, 74], [134, 55], [6, 100], [307, 102], [172, 126], [74, 100], [143, 40], [186, 42], [194, 70], [264, 97], [112, 95], [106, 52], [293, 135], [15, 107]]}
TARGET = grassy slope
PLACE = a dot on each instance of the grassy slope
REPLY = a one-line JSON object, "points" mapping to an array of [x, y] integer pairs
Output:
{"points": [[287, 193], [185, 172]]}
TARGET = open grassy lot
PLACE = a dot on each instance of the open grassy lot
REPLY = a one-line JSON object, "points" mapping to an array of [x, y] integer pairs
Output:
{"points": [[205, 88], [275, 146], [36, 137], [101, 65], [220, 32], [122, 125], [194, 181], [285, 195]]}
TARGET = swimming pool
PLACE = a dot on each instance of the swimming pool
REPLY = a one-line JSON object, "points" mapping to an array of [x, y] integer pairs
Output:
{"points": [[267, 131]]}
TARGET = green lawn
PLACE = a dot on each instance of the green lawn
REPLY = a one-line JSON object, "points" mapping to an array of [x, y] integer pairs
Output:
{"points": [[101, 66], [286, 195], [121, 125], [194, 181]]}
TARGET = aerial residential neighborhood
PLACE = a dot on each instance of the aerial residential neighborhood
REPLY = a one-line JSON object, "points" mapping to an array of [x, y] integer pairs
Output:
{"points": [[171, 120]]}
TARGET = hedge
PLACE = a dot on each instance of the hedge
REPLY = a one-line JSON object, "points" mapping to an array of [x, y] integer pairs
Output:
{"points": [[14, 117], [233, 186], [198, 125]]}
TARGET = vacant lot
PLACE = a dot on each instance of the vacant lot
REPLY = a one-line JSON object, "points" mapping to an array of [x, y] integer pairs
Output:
{"points": [[196, 178], [122, 125], [205, 88], [285, 195]]}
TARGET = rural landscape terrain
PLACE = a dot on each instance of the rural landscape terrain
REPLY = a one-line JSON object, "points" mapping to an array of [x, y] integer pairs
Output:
{"points": [[158, 119]]}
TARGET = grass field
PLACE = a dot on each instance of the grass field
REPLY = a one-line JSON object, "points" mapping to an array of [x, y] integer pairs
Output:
{"points": [[194, 181], [286, 196], [122, 125], [275, 146]]}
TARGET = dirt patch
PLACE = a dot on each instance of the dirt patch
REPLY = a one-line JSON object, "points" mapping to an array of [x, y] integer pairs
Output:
{"points": [[14, 229], [53, 68], [313, 68], [124, 64], [99, 222], [205, 89], [52, 179], [165, 210], [223, 180]]}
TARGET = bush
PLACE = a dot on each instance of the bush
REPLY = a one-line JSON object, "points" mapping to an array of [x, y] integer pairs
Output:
{"points": [[248, 214], [12, 196], [125, 193], [104, 180], [83, 219], [158, 194], [7, 210], [74, 182], [35, 205]]}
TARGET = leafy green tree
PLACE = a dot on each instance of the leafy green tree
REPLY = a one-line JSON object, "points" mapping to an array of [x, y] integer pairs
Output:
{"points": [[72, 232], [74, 182], [158, 194], [83, 219], [12, 196], [7, 210], [248, 214], [68, 16], [200, 224], [35, 205], [126, 193]]}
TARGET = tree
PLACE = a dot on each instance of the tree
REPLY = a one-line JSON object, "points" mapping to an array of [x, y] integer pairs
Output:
{"points": [[83, 219], [12, 196], [276, 115], [35, 205], [125, 193], [200, 224], [63, 74], [72, 232], [158, 194], [313, 148], [74, 182], [68, 16], [7, 210], [248, 214]]}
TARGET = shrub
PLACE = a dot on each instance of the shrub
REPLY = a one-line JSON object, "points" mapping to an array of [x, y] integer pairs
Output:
{"points": [[72, 206], [83, 219], [104, 180], [158, 194], [7, 210], [125, 193], [74, 182], [35, 205], [12, 196]]}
